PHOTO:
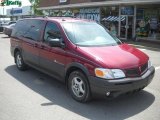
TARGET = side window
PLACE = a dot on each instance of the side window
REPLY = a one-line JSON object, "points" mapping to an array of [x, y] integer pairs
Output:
{"points": [[33, 29], [51, 31], [19, 29]]}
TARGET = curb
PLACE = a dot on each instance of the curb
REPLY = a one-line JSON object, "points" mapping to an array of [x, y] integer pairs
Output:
{"points": [[149, 40]]}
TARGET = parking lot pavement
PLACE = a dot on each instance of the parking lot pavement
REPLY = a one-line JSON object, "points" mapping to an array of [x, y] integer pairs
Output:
{"points": [[32, 95]]}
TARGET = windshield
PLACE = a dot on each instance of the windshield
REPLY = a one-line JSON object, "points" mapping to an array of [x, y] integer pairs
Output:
{"points": [[89, 34]]}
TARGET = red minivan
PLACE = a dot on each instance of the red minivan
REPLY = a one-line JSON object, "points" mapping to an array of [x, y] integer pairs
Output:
{"points": [[82, 54]]}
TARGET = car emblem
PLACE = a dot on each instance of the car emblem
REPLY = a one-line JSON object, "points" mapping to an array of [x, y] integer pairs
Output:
{"points": [[140, 69]]}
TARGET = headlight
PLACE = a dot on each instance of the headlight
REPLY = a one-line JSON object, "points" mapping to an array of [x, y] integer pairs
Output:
{"points": [[149, 63], [109, 73]]}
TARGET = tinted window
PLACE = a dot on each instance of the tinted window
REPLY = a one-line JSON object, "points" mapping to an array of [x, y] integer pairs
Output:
{"points": [[33, 29], [19, 29], [28, 28], [51, 31]]}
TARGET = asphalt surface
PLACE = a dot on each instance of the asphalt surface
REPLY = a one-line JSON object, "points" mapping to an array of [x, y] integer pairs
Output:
{"points": [[32, 95]]}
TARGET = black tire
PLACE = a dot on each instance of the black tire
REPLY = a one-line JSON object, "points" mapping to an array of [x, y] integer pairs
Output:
{"points": [[19, 61], [79, 87]]}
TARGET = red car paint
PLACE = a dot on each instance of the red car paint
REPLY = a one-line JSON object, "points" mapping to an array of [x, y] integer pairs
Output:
{"points": [[58, 61], [122, 56]]}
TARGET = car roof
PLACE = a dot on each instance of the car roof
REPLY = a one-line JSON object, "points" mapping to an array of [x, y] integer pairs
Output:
{"points": [[62, 19]]}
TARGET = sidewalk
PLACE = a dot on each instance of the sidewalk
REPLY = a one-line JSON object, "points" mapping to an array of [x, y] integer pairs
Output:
{"points": [[151, 40], [145, 45], [154, 38]]}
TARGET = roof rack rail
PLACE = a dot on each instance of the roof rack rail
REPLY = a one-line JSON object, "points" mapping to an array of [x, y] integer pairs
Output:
{"points": [[46, 16], [62, 16], [43, 16]]}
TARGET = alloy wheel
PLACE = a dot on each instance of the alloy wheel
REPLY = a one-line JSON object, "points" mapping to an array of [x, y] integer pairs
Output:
{"points": [[78, 87]]}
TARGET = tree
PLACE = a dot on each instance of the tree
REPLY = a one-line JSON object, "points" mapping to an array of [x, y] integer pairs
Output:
{"points": [[34, 6]]}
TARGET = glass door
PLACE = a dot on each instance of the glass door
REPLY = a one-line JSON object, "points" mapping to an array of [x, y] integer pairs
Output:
{"points": [[123, 31], [130, 27], [126, 27]]}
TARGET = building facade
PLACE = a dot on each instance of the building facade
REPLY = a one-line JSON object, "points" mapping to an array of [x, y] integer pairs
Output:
{"points": [[126, 19], [15, 9]]}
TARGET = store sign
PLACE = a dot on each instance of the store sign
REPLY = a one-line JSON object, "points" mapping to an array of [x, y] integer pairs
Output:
{"points": [[153, 23], [62, 1], [25, 10], [90, 13], [127, 11], [140, 14], [10, 2]]}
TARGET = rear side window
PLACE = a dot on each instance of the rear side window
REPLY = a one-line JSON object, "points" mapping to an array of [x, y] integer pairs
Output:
{"points": [[33, 30], [19, 29], [28, 28]]}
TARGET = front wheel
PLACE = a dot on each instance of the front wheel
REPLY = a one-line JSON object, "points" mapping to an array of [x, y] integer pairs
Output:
{"points": [[79, 86], [19, 61]]}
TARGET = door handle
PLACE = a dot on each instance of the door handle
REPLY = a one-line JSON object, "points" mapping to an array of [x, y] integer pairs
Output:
{"points": [[42, 46], [35, 45]]}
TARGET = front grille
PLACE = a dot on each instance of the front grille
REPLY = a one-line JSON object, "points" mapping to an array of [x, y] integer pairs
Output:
{"points": [[136, 72]]}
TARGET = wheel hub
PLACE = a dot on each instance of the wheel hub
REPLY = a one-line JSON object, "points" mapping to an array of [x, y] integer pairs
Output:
{"points": [[19, 61], [78, 87]]}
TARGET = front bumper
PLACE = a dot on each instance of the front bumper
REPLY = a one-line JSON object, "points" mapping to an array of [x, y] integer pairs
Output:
{"points": [[99, 87]]}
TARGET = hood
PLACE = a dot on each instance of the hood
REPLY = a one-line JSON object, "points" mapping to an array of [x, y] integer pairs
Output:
{"points": [[120, 56]]}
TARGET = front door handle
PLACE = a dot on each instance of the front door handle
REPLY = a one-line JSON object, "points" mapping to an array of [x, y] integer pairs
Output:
{"points": [[35, 45], [42, 46]]}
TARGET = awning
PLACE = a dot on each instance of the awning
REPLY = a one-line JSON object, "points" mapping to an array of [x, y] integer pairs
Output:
{"points": [[113, 18], [104, 3]]}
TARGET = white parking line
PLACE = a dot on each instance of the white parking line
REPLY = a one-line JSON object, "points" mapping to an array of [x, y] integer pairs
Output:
{"points": [[157, 68]]}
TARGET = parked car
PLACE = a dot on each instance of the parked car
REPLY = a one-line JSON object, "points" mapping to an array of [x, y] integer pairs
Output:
{"points": [[2, 25], [7, 30], [82, 54], [11, 22]]}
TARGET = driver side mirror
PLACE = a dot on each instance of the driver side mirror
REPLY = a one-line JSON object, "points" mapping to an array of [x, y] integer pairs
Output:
{"points": [[55, 42]]}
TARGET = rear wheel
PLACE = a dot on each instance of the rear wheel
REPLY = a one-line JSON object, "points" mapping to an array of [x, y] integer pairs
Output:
{"points": [[19, 61], [79, 86]]}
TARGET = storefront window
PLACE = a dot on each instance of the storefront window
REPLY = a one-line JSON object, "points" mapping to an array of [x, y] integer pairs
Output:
{"points": [[148, 23], [110, 18]]}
